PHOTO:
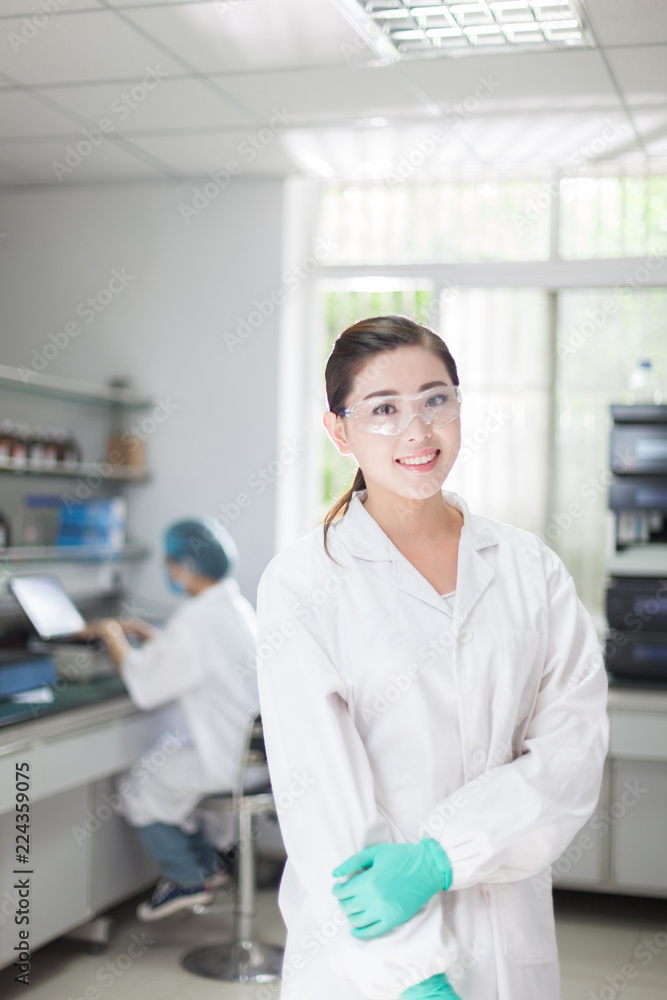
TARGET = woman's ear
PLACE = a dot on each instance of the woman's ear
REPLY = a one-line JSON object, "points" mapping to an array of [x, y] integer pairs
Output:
{"points": [[334, 428]]}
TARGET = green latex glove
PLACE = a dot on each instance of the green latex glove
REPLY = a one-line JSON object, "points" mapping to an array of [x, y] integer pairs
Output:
{"points": [[394, 882], [435, 988]]}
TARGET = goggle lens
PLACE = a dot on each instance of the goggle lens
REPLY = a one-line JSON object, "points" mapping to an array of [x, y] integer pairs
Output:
{"points": [[392, 414]]}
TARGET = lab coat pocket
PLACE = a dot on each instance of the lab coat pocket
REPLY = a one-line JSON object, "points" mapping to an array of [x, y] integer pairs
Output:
{"points": [[526, 920]]}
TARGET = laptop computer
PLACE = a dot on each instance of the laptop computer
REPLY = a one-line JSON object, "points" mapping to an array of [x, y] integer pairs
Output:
{"points": [[50, 609]]}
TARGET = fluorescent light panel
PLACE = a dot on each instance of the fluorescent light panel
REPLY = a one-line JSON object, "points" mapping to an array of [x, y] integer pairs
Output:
{"points": [[505, 25]]}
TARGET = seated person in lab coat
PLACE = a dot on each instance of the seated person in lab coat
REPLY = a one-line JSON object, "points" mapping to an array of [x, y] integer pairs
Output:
{"points": [[203, 661]]}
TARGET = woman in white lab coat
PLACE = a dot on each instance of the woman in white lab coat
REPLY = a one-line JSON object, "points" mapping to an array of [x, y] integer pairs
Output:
{"points": [[431, 687], [203, 661]]}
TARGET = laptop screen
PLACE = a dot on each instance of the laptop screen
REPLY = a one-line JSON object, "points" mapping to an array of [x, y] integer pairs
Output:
{"points": [[47, 605]]}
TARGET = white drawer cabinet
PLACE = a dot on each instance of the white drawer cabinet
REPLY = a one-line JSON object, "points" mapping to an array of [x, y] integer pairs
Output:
{"points": [[585, 862], [638, 736], [640, 856], [57, 880], [71, 772], [119, 863], [625, 838]]}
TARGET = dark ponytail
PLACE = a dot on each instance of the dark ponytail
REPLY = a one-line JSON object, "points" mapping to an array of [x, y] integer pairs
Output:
{"points": [[351, 351]]}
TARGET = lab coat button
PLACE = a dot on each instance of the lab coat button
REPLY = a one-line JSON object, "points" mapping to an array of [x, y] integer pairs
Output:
{"points": [[465, 634]]}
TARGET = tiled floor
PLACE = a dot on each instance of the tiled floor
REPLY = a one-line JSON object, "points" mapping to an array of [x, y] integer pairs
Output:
{"points": [[611, 947]]}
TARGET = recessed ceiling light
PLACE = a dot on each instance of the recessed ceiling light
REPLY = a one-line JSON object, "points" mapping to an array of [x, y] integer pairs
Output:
{"points": [[408, 33], [434, 10], [391, 12], [443, 32], [482, 29], [560, 24], [409, 28], [504, 5]]}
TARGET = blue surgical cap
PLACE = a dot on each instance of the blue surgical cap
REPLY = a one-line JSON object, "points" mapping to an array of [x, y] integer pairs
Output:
{"points": [[203, 546]]}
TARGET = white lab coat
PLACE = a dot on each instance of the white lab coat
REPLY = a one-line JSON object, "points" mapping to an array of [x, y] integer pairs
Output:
{"points": [[387, 719], [204, 661]]}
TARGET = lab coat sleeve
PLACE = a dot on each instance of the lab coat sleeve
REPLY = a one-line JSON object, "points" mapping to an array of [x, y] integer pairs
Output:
{"points": [[514, 820], [164, 668], [323, 789]]}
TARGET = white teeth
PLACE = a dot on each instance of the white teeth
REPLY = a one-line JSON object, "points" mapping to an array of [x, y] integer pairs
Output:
{"points": [[421, 460]]}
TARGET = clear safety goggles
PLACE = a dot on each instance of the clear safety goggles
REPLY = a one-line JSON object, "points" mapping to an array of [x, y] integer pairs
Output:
{"points": [[392, 414]]}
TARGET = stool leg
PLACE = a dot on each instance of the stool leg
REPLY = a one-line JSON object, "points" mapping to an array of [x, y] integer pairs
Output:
{"points": [[245, 897], [246, 960]]}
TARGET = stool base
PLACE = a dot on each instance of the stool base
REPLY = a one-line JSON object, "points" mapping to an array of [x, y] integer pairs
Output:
{"points": [[241, 962]]}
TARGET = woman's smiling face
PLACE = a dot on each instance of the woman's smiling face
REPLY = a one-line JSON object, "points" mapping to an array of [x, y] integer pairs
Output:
{"points": [[405, 371]]}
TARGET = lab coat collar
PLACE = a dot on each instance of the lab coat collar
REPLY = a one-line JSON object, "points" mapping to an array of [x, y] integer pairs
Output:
{"points": [[364, 537], [228, 585], [360, 533]]}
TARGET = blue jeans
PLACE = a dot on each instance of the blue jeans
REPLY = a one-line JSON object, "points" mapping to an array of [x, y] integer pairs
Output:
{"points": [[185, 858]]}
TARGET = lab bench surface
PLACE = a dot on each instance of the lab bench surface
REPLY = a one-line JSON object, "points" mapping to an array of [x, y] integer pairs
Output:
{"points": [[626, 695], [72, 696]]}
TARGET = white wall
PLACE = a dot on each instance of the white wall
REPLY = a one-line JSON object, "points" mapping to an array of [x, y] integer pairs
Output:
{"points": [[191, 283]]}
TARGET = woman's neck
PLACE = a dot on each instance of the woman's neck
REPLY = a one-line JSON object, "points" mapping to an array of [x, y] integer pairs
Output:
{"points": [[413, 522]]}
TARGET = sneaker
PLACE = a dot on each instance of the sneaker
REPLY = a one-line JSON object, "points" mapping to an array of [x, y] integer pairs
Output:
{"points": [[169, 898]]}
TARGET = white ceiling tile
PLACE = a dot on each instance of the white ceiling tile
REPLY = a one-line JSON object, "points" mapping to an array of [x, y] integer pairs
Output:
{"points": [[628, 22], [84, 46], [179, 103], [652, 126], [641, 73], [303, 56], [143, 3], [373, 153], [33, 163], [574, 139], [514, 141], [197, 155], [334, 92], [518, 141], [23, 115], [510, 140], [27, 7], [528, 80], [254, 34]]}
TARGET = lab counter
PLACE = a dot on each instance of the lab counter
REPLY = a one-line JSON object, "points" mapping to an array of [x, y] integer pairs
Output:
{"points": [[78, 855], [71, 696], [646, 696], [622, 847]]}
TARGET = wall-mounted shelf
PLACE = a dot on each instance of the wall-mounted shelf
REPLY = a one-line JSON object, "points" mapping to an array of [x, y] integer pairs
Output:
{"points": [[113, 398], [18, 554], [26, 380], [118, 474]]}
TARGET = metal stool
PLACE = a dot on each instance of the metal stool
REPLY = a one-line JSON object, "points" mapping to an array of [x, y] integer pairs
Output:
{"points": [[245, 959]]}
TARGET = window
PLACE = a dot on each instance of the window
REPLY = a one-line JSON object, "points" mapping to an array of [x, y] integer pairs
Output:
{"points": [[601, 336], [408, 223], [613, 216], [548, 290], [500, 340]]}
